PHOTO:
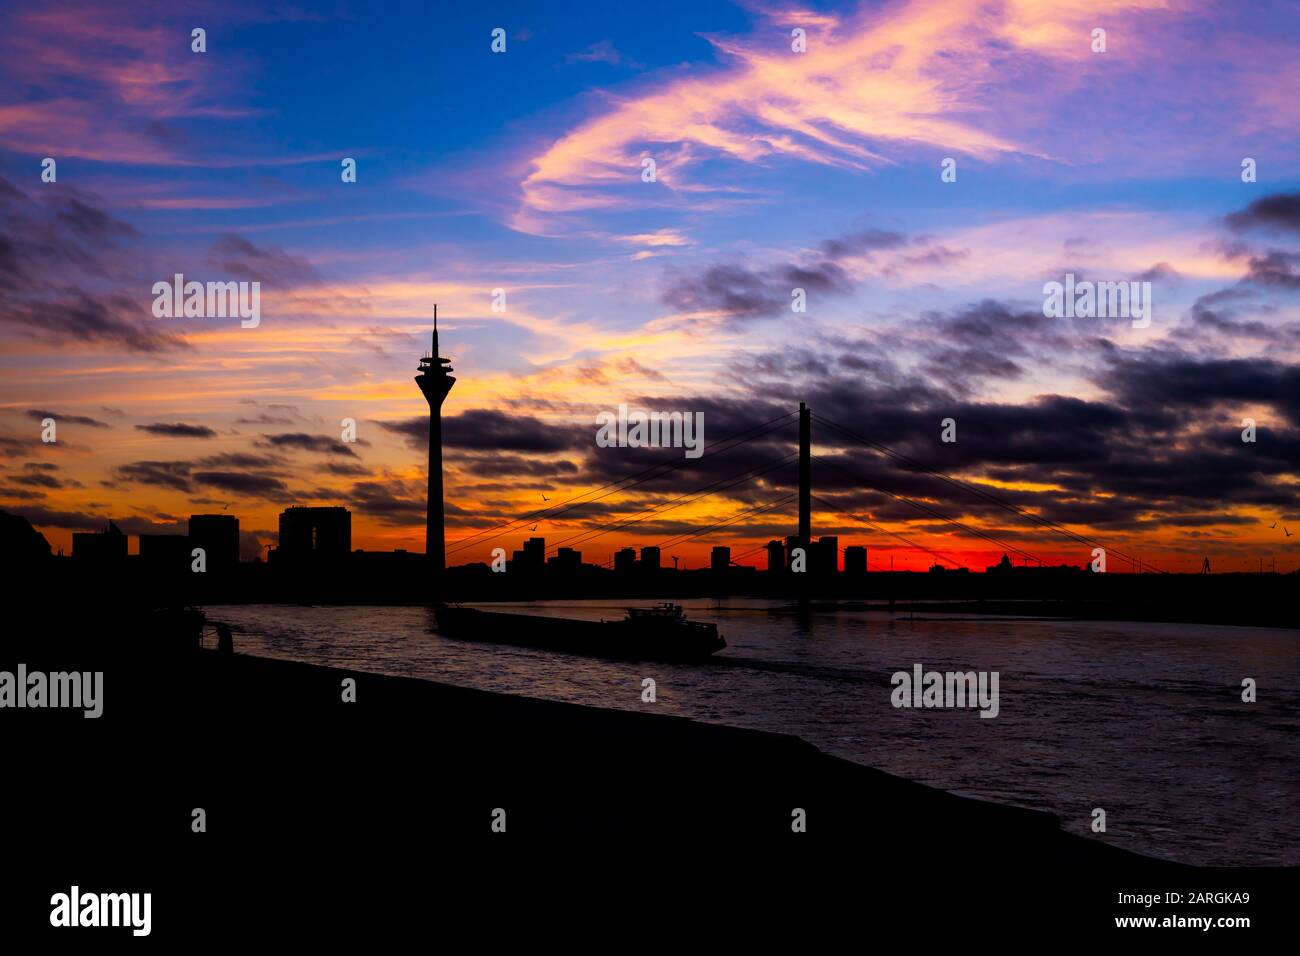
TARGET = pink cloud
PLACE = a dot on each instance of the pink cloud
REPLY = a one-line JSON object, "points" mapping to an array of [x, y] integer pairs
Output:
{"points": [[115, 84], [985, 81]]}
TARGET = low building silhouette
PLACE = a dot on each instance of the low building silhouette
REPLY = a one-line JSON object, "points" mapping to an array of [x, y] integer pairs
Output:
{"points": [[566, 560], [792, 542], [825, 557], [1006, 567], [314, 534], [775, 557], [22, 547], [218, 536], [165, 553], [100, 547]]}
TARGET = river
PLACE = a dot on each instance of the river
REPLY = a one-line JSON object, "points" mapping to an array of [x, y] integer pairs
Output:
{"points": [[1145, 721]]}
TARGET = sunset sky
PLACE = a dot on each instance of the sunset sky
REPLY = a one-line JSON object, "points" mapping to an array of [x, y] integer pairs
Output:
{"points": [[522, 171]]}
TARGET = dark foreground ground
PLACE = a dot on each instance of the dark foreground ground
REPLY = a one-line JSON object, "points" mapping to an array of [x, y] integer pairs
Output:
{"points": [[373, 820]]}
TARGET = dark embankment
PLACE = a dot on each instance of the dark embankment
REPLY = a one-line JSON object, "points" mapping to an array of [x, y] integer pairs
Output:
{"points": [[324, 810]]}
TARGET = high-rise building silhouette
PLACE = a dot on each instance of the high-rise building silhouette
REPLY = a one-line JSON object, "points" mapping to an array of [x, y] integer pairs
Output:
{"points": [[855, 560], [535, 554], [435, 381], [720, 558], [650, 558], [625, 561]]}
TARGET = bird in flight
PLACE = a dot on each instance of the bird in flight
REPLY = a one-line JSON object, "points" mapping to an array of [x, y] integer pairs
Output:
{"points": [[1288, 533], [544, 498], [1274, 525], [533, 528]]}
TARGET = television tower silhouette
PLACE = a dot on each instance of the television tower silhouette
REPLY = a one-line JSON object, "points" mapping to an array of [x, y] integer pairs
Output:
{"points": [[435, 381]]}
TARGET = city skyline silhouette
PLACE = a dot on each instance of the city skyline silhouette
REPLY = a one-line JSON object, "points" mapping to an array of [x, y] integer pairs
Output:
{"points": [[667, 474]]}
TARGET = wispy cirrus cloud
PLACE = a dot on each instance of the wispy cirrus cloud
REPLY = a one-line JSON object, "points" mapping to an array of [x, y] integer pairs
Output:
{"points": [[920, 72], [105, 85], [116, 83], [988, 81], [66, 272], [603, 51]]}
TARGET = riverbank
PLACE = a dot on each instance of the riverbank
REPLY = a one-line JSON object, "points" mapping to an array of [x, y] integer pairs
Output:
{"points": [[329, 749], [1137, 719], [310, 797]]}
